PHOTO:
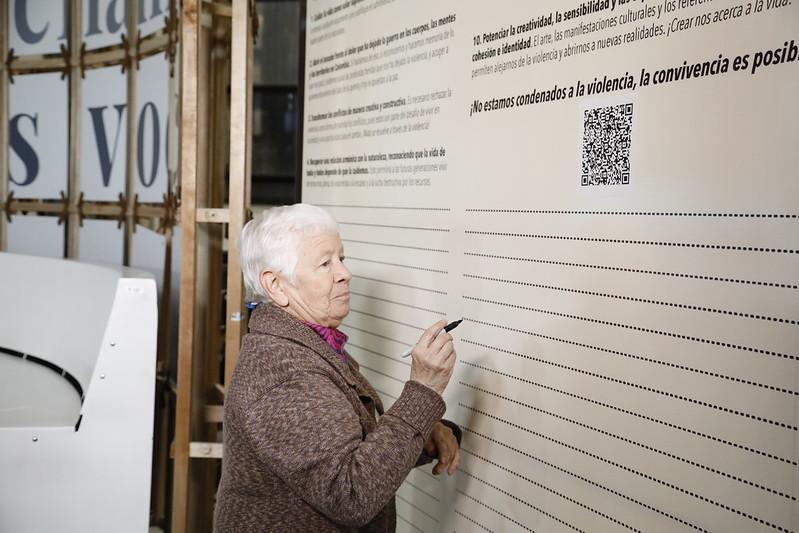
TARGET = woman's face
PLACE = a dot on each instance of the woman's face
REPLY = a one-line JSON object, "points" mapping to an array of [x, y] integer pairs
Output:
{"points": [[321, 291]]}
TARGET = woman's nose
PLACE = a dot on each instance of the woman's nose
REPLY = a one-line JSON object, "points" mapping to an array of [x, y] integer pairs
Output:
{"points": [[342, 272]]}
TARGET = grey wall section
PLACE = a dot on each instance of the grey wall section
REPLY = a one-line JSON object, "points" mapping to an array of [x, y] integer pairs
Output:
{"points": [[607, 193]]}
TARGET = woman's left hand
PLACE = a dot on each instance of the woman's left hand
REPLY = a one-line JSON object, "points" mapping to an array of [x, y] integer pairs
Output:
{"points": [[443, 445]]}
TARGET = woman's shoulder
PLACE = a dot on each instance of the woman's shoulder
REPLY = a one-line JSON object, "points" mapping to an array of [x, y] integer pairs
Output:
{"points": [[266, 361], [273, 354]]}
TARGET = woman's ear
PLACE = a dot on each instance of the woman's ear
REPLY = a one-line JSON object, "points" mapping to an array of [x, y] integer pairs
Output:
{"points": [[271, 283]]}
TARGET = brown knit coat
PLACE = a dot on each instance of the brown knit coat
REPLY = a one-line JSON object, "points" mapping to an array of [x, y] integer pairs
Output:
{"points": [[303, 448]]}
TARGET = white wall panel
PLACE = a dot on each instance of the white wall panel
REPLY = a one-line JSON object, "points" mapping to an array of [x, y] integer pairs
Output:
{"points": [[625, 261]]}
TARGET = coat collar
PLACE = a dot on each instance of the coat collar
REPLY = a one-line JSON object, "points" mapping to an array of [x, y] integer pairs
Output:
{"points": [[268, 319]]}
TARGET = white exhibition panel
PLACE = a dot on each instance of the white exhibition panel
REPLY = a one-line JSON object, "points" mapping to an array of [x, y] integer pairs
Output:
{"points": [[101, 241], [90, 473], [103, 150], [104, 21], [37, 26], [36, 236], [152, 98], [626, 259], [38, 143]]}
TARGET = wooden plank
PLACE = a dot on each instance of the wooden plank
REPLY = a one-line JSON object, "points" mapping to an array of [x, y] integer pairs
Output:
{"points": [[131, 73], [248, 156], [107, 56], [3, 126], [218, 9], [202, 479], [189, 60], [240, 78], [72, 229], [206, 450], [220, 78], [209, 214], [214, 413]]}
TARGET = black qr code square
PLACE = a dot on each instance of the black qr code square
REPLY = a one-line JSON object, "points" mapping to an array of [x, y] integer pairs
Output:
{"points": [[607, 135]]}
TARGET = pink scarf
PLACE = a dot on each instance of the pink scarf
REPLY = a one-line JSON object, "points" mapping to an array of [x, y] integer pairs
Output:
{"points": [[334, 338]]}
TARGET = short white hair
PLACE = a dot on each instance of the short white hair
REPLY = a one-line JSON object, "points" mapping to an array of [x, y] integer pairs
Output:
{"points": [[273, 241]]}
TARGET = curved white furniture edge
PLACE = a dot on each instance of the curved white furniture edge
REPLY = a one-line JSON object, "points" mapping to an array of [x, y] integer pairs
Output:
{"points": [[95, 478]]}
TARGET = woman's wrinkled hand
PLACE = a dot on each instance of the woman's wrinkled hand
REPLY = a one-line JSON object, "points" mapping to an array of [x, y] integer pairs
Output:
{"points": [[443, 445], [433, 358]]}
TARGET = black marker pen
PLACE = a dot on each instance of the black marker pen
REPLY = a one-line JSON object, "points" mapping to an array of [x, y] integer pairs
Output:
{"points": [[449, 327]]}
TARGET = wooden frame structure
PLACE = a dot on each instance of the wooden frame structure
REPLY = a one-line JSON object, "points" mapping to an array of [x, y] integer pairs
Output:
{"points": [[214, 128], [200, 379]]}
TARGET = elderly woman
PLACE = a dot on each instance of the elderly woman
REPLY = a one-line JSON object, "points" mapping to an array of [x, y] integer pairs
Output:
{"points": [[304, 447]]}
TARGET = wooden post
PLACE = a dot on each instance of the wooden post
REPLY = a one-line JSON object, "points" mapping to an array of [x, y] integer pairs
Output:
{"points": [[220, 78], [72, 230], [189, 62], [132, 43], [3, 123], [240, 77]]}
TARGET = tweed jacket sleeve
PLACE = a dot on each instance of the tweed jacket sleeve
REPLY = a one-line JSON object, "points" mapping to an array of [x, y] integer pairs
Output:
{"points": [[340, 461]]}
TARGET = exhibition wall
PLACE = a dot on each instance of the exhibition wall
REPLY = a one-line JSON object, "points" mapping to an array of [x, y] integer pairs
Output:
{"points": [[606, 192]]}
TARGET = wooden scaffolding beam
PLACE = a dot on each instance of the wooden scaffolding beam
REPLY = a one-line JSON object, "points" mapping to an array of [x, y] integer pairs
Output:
{"points": [[71, 236], [132, 74], [4, 109], [204, 121], [189, 63], [240, 119]]}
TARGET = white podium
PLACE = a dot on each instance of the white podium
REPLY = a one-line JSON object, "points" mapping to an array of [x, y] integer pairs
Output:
{"points": [[77, 385]]}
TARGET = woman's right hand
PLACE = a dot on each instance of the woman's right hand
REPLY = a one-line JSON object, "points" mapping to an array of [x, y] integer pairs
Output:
{"points": [[433, 358]]}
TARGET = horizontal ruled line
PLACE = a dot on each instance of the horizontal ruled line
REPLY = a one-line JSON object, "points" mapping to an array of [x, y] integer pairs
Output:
{"points": [[397, 303], [386, 319], [407, 286], [392, 245], [390, 226], [408, 208], [400, 265], [396, 360], [350, 326]]}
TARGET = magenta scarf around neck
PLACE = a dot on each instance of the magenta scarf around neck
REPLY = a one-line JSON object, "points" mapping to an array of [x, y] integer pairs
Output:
{"points": [[334, 338]]}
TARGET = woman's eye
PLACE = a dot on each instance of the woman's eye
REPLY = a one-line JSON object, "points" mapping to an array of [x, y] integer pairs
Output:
{"points": [[342, 258], [325, 264]]}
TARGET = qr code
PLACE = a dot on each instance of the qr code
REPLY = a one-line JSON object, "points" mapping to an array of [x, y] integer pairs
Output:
{"points": [[606, 145]]}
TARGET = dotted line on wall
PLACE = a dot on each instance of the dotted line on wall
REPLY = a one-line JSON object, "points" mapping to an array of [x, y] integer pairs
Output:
{"points": [[635, 270], [556, 493], [635, 213], [637, 242], [624, 496], [528, 504], [639, 358], [626, 468], [632, 413], [645, 388], [639, 328], [634, 299]]}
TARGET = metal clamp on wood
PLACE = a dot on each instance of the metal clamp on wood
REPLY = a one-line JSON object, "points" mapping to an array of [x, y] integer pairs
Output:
{"points": [[10, 57], [7, 207]]}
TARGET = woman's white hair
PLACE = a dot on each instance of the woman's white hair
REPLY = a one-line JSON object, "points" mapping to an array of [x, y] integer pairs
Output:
{"points": [[273, 241]]}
